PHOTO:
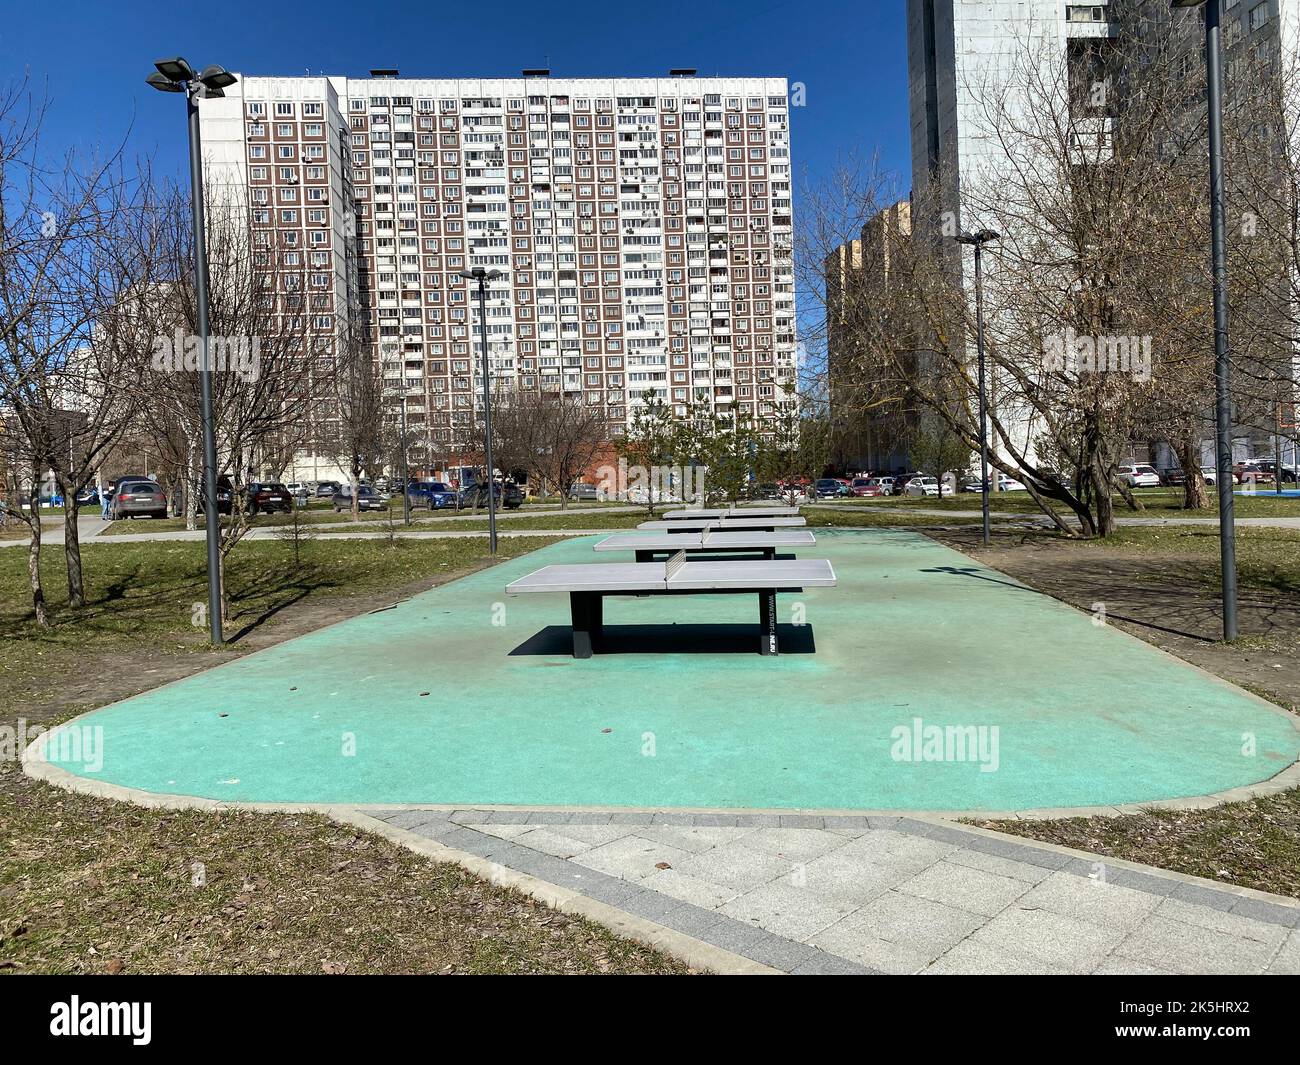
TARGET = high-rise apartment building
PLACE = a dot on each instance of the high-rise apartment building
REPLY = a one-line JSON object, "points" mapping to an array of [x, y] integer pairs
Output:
{"points": [[871, 419], [964, 53], [643, 226]]}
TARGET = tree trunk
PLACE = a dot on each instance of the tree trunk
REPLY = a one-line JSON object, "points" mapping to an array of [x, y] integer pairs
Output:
{"points": [[354, 481], [1195, 495], [1133, 502], [1101, 489], [72, 554], [193, 488], [34, 560]]}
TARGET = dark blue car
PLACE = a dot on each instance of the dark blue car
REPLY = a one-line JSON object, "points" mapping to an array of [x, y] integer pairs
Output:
{"points": [[432, 494]]}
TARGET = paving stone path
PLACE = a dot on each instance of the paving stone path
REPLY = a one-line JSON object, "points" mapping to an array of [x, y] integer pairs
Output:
{"points": [[820, 895]]}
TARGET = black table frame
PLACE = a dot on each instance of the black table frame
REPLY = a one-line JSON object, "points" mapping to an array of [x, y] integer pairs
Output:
{"points": [[588, 611]]}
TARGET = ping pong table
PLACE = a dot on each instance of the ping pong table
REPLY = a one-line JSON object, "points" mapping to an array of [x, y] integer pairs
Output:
{"points": [[648, 545], [588, 585], [686, 514], [727, 524]]}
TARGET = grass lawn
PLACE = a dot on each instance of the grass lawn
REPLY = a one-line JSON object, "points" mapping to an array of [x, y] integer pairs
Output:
{"points": [[1255, 844], [1159, 502], [89, 885], [862, 518], [420, 517], [314, 514], [1267, 559]]}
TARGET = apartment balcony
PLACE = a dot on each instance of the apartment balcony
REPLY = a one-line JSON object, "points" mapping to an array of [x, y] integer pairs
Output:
{"points": [[1089, 20]]}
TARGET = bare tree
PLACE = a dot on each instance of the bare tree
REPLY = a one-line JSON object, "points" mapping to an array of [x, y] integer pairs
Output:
{"points": [[358, 426], [1085, 186], [273, 355], [551, 436], [77, 254]]}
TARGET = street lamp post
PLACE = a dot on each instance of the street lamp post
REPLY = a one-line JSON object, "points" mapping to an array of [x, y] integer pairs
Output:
{"points": [[977, 240], [1222, 395], [406, 484], [482, 277], [400, 395], [176, 75]]}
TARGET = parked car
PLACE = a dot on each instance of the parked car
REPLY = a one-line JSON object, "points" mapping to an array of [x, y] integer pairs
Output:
{"points": [[135, 499], [367, 499], [326, 489], [764, 491], [1138, 475], [580, 490], [1174, 477], [641, 495], [826, 488], [475, 495], [432, 494], [868, 486], [926, 486], [1263, 470], [1051, 477], [1001, 483], [901, 481], [225, 496], [268, 497], [88, 496], [794, 493]]}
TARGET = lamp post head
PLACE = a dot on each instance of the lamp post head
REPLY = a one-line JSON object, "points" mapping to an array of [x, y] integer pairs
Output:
{"points": [[163, 84], [978, 237], [175, 69], [217, 78], [480, 275], [176, 75]]}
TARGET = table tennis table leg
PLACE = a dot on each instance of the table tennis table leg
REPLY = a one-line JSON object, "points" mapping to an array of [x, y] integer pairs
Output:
{"points": [[767, 644], [587, 612]]}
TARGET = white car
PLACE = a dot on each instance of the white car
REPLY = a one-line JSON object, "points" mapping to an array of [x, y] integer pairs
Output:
{"points": [[640, 495], [1139, 475], [1002, 483], [926, 486]]}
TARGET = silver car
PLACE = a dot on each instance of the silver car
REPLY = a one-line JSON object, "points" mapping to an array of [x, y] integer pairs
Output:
{"points": [[135, 499]]}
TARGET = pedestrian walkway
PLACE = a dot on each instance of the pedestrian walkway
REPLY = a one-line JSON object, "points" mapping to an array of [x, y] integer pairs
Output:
{"points": [[819, 895]]}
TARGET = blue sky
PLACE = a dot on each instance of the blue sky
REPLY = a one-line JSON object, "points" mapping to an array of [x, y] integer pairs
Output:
{"points": [[92, 57]]}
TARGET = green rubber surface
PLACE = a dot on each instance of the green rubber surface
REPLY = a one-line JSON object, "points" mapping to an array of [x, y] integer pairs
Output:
{"points": [[464, 696]]}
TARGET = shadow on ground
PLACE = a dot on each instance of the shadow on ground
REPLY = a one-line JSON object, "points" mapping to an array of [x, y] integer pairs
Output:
{"points": [[671, 639]]}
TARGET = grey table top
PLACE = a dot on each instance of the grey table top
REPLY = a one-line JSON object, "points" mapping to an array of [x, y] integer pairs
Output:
{"points": [[742, 512], [697, 541], [688, 576], [724, 524]]}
